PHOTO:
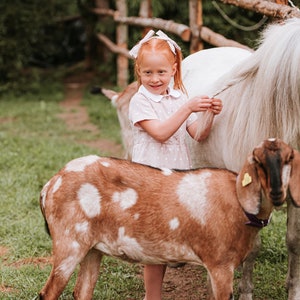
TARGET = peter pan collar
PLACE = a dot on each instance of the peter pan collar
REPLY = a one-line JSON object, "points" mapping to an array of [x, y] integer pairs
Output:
{"points": [[157, 98]]}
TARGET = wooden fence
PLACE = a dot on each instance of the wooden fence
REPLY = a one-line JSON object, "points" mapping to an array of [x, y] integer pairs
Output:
{"points": [[195, 32]]}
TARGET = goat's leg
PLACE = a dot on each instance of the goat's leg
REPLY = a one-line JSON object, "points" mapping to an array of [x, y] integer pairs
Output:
{"points": [[293, 245], [62, 269], [221, 283], [88, 275], [246, 283], [65, 261]]}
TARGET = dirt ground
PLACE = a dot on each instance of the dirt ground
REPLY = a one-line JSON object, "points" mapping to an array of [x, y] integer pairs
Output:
{"points": [[76, 118]]}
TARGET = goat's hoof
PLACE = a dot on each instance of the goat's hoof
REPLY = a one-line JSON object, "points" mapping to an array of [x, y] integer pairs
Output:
{"points": [[246, 296]]}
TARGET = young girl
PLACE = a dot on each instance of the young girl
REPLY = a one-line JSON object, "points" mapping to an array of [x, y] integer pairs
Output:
{"points": [[160, 115]]}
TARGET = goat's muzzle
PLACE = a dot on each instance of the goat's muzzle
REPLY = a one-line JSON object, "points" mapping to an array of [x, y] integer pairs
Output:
{"points": [[277, 197]]}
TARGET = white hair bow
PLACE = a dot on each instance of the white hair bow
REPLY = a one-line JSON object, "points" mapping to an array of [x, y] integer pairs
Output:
{"points": [[160, 35]]}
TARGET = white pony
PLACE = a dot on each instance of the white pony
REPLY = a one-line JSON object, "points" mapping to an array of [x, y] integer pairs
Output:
{"points": [[261, 96], [261, 99]]}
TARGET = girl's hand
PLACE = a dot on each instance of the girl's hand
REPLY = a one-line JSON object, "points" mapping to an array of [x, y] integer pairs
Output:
{"points": [[216, 106], [200, 103]]}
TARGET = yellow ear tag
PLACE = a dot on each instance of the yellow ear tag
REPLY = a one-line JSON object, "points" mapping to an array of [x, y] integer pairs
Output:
{"points": [[247, 179]]}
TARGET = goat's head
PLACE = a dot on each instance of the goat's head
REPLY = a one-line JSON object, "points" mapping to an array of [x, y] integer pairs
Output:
{"points": [[272, 167]]}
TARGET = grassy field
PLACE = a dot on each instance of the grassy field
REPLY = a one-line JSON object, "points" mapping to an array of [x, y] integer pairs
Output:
{"points": [[35, 144]]}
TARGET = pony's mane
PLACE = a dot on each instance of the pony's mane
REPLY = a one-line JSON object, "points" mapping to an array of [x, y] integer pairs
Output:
{"points": [[267, 85]]}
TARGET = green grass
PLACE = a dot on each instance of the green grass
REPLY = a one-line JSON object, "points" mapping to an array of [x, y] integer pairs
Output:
{"points": [[35, 144], [103, 114]]}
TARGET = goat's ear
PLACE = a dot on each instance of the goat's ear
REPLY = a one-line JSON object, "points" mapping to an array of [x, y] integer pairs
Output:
{"points": [[294, 183], [248, 187]]}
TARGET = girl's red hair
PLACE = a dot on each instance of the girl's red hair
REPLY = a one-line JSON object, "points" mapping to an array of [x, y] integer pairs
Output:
{"points": [[162, 46]]}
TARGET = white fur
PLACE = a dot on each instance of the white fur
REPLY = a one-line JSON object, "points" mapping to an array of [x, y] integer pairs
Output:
{"points": [[82, 227], [78, 165], [89, 200], [126, 199], [261, 101], [192, 190], [174, 223]]}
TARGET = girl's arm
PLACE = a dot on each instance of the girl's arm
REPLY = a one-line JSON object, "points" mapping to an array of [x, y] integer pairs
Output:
{"points": [[163, 130]]}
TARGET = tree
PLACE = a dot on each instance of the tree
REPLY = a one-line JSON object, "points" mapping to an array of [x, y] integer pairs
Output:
{"points": [[27, 33]]}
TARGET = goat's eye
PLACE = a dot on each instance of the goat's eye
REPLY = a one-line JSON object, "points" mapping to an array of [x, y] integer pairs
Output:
{"points": [[289, 158]]}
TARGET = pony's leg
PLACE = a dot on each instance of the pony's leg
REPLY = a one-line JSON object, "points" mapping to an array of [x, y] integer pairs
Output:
{"points": [[221, 283], [87, 275], [293, 245], [246, 282]]}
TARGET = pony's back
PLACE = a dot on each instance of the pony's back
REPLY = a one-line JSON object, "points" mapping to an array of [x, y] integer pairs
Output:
{"points": [[200, 70]]}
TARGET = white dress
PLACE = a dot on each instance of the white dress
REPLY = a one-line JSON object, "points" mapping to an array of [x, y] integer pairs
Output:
{"points": [[173, 153]]}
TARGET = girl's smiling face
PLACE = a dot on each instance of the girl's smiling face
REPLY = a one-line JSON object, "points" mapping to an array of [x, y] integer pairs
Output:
{"points": [[155, 72]]}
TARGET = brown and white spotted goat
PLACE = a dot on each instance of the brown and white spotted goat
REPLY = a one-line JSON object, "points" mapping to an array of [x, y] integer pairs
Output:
{"points": [[99, 206]]}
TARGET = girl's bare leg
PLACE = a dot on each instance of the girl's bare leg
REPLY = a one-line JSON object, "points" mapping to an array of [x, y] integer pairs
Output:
{"points": [[153, 279]]}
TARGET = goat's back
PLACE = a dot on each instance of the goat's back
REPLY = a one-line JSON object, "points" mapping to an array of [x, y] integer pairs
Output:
{"points": [[142, 213]]}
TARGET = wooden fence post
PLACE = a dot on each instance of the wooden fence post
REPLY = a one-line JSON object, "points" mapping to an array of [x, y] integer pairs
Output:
{"points": [[122, 42], [196, 22], [146, 12]]}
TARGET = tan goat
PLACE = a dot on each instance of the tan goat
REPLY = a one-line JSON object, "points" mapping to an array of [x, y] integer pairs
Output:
{"points": [[99, 206], [121, 102]]}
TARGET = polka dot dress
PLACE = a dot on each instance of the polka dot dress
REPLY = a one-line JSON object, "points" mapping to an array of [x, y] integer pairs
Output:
{"points": [[173, 153]]}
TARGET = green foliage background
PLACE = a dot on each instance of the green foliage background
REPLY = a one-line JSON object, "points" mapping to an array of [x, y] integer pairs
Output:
{"points": [[22, 25], [32, 28]]}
